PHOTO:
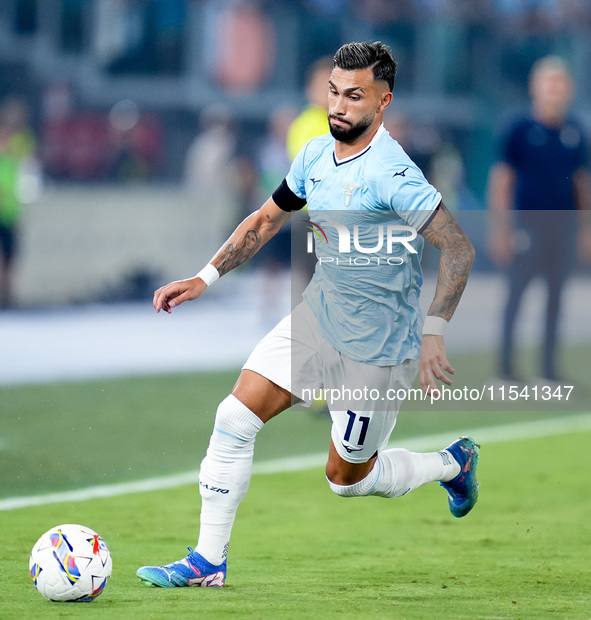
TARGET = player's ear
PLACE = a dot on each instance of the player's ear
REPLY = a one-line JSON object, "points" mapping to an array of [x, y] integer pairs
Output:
{"points": [[385, 101]]}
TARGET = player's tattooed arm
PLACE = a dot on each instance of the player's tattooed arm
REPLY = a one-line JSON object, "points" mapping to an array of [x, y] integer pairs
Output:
{"points": [[235, 253], [457, 256], [252, 233]]}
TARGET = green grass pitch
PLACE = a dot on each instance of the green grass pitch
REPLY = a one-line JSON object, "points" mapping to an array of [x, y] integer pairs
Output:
{"points": [[297, 551], [300, 552], [65, 436]]}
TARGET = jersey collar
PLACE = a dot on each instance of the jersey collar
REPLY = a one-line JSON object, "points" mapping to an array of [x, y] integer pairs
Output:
{"points": [[340, 162]]}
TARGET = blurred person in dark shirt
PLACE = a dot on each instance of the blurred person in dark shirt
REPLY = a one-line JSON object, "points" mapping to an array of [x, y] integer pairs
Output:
{"points": [[535, 190]]}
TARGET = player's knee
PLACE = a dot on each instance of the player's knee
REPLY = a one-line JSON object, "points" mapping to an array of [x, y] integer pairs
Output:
{"points": [[339, 476], [225, 412], [345, 473], [234, 420]]}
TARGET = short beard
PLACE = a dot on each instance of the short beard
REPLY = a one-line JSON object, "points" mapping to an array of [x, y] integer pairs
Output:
{"points": [[351, 134]]}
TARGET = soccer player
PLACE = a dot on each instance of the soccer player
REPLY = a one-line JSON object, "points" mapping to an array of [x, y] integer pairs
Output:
{"points": [[359, 324]]}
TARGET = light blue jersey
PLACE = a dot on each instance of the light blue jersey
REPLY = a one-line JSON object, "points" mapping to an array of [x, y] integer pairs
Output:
{"points": [[366, 212]]}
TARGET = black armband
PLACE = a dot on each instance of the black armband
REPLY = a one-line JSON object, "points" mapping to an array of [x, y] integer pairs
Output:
{"points": [[286, 200]]}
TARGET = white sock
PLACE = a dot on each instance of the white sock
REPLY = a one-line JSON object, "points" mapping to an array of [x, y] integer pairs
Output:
{"points": [[225, 475], [401, 471], [358, 489]]}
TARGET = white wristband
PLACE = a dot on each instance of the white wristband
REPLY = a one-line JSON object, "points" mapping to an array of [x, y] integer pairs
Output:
{"points": [[209, 274], [434, 326]]}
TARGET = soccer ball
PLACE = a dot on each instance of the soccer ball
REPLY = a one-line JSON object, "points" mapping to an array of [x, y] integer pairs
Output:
{"points": [[70, 563]]}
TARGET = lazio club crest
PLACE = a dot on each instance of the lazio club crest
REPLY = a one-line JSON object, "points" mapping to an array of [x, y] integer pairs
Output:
{"points": [[349, 189]]}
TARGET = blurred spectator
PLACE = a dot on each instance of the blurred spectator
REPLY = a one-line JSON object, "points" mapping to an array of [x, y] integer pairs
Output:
{"points": [[134, 37], [310, 123], [136, 142], [273, 160], [327, 7], [313, 119], [399, 127], [122, 145], [211, 176], [17, 180], [542, 176], [243, 45], [420, 141], [321, 29], [380, 13], [541, 16], [76, 146], [274, 258], [448, 170]]}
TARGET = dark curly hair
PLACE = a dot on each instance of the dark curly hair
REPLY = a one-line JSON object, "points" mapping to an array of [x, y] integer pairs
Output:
{"points": [[355, 56]]}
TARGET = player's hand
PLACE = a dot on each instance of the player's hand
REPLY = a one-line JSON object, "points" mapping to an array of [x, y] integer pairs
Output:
{"points": [[168, 297], [434, 364]]}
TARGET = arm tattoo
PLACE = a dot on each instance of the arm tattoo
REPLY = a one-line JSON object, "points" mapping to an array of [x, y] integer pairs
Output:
{"points": [[457, 256], [234, 254]]}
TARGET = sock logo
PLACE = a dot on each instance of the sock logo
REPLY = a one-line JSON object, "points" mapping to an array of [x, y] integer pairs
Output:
{"points": [[210, 487], [445, 458]]}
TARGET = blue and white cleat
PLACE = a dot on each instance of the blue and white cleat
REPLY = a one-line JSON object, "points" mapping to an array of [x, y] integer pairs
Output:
{"points": [[194, 570], [462, 491]]}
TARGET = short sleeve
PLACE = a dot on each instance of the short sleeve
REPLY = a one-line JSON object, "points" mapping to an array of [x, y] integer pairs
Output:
{"points": [[405, 190]]}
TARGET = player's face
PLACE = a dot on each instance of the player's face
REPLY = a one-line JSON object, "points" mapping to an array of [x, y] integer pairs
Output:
{"points": [[355, 103], [552, 89]]}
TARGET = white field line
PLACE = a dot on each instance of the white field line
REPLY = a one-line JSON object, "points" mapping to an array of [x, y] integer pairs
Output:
{"points": [[486, 435]]}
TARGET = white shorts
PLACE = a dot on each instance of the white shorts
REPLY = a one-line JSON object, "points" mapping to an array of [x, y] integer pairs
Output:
{"points": [[362, 398]]}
